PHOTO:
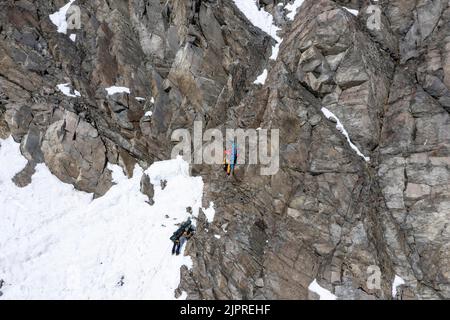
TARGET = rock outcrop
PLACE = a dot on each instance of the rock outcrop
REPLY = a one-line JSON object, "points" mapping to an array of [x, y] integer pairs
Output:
{"points": [[74, 152], [327, 214]]}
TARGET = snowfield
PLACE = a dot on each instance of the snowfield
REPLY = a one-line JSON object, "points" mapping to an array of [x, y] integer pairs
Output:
{"points": [[59, 243]]}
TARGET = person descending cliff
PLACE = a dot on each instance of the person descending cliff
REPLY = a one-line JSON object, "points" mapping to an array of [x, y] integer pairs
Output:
{"points": [[229, 165], [181, 235]]}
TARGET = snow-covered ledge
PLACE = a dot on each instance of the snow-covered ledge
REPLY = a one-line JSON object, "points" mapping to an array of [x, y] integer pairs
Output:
{"points": [[59, 243]]}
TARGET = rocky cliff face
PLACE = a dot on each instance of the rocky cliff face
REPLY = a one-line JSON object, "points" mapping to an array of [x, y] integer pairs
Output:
{"points": [[328, 214]]}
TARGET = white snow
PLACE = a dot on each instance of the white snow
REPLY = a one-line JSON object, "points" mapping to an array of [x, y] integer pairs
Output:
{"points": [[217, 236], [65, 89], [322, 292], [210, 212], [398, 281], [59, 18], [114, 89], [352, 11], [140, 99], [58, 243], [261, 19], [148, 114], [73, 37], [329, 115], [261, 78], [293, 8], [152, 100]]}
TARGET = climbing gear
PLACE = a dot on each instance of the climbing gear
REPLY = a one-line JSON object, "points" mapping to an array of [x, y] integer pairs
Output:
{"points": [[184, 226]]}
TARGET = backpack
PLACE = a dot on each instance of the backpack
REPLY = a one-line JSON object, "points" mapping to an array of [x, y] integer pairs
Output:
{"points": [[179, 232]]}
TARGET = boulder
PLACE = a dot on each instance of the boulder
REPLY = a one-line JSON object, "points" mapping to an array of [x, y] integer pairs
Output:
{"points": [[18, 117], [74, 152]]}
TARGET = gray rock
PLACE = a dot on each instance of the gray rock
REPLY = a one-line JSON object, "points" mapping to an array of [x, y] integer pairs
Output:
{"points": [[4, 129], [18, 118], [30, 145], [23, 178], [259, 283], [147, 188], [74, 152]]}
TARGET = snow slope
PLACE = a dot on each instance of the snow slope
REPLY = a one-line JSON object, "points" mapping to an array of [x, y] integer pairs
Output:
{"points": [[58, 243], [261, 19]]}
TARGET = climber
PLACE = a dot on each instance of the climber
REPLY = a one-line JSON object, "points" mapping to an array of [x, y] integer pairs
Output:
{"points": [[183, 233], [229, 166]]}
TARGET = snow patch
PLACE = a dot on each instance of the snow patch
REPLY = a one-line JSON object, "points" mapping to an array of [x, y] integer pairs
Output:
{"points": [[352, 11], [293, 8], [113, 90], [330, 115], [73, 37], [261, 19], [140, 99], [217, 236], [323, 293], [148, 114], [210, 212], [65, 89], [261, 78], [59, 243], [398, 281], [59, 18]]}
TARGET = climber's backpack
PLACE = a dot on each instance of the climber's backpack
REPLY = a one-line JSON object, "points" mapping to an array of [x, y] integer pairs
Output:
{"points": [[180, 230]]}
